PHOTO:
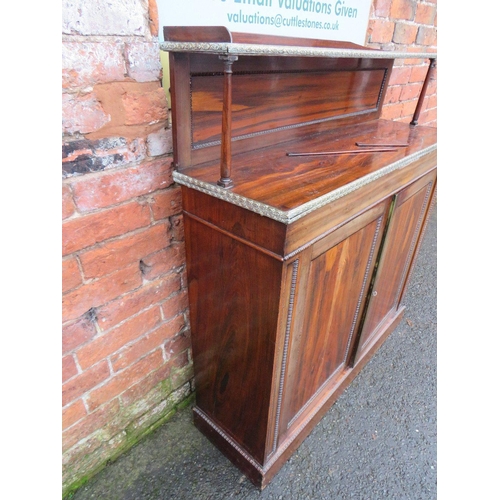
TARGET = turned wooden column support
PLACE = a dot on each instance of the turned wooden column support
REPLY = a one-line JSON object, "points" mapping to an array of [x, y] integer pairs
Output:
{"points": [[225, 157], [421, 97]]}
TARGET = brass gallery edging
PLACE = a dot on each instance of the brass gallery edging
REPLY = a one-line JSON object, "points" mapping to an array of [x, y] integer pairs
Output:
{"points": [[291, 302], [249, 49], [287, 217]]}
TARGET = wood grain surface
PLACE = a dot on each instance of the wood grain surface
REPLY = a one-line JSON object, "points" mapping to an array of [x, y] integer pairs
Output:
{"points": [[234, 314], [269, 176], [283, 316], [262, 102]]}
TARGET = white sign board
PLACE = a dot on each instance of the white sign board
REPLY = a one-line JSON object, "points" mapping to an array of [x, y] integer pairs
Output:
{"points": [[345, 20]]}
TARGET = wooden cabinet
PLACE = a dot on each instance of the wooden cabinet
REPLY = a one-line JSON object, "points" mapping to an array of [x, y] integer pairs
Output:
{"points": [[408, 212], [297, 264]]}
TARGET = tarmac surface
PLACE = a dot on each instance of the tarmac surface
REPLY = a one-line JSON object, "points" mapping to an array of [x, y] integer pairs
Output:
{"points": [[378, 441]]}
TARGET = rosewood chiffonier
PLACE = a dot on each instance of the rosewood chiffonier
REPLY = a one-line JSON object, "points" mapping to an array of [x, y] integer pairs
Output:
{"points": [[303, 214]]}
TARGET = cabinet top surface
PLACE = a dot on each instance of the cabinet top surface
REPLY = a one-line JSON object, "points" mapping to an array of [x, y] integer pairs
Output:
{"points": [[285, 188]]}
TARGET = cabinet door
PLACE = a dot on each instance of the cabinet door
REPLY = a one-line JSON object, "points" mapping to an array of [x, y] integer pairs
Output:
{"points": [[408, 213], [334, 275]]}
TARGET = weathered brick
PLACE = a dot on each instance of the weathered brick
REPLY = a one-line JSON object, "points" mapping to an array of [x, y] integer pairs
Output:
{"points": [[117, 311], [77, 147], [77, 333], [160, 142], [143, 61], [380, 31], [181, 360], [157, 407], [79, 385], [154, 382], [162, 262], [183, 372], [178, 395], [104, 17], [82, 232], [429, 116], [83, 156], [432, 87], [400, 76], [82, 114], [125, 379], [68, 207], [82, 455], [111, 188], [166, 203], [69, 368], [153, 17], [99, 292], [145, 107], [425, 13], [91, 163], [418, 74], [90, 454], [135, 109], [177, 228], [73, 413], [116, 338], [71, 277], [89, 424], [175, 304], [427, 36], [86, 64], [412, 62], [184, 280], [392, 94], [391, 111], [410, 91], [177, 344], [132, 352], [403, 9], [408, 108], [431, 102], [382, 8], [117, 254], [404, 33]]}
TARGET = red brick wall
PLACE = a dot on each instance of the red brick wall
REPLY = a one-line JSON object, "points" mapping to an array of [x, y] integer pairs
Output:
{"points": [[407, 26], [126, 347], [126, 359]]}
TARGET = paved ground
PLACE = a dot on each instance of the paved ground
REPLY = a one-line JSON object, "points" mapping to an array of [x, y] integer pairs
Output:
{"points": [[378, 441]]}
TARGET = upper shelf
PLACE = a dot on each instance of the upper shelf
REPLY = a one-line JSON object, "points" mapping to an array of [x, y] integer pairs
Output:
{"points": [[219, 40], [230, 111]]}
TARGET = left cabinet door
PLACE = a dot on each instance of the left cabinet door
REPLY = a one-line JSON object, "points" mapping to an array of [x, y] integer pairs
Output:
{"points": [[333, 280]]}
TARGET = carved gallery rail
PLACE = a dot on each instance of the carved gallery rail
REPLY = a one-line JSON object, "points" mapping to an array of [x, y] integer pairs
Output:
{"points": [[303, 215]]}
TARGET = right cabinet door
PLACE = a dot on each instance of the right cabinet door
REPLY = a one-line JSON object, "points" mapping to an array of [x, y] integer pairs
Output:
{"points": [[408, 213]]}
